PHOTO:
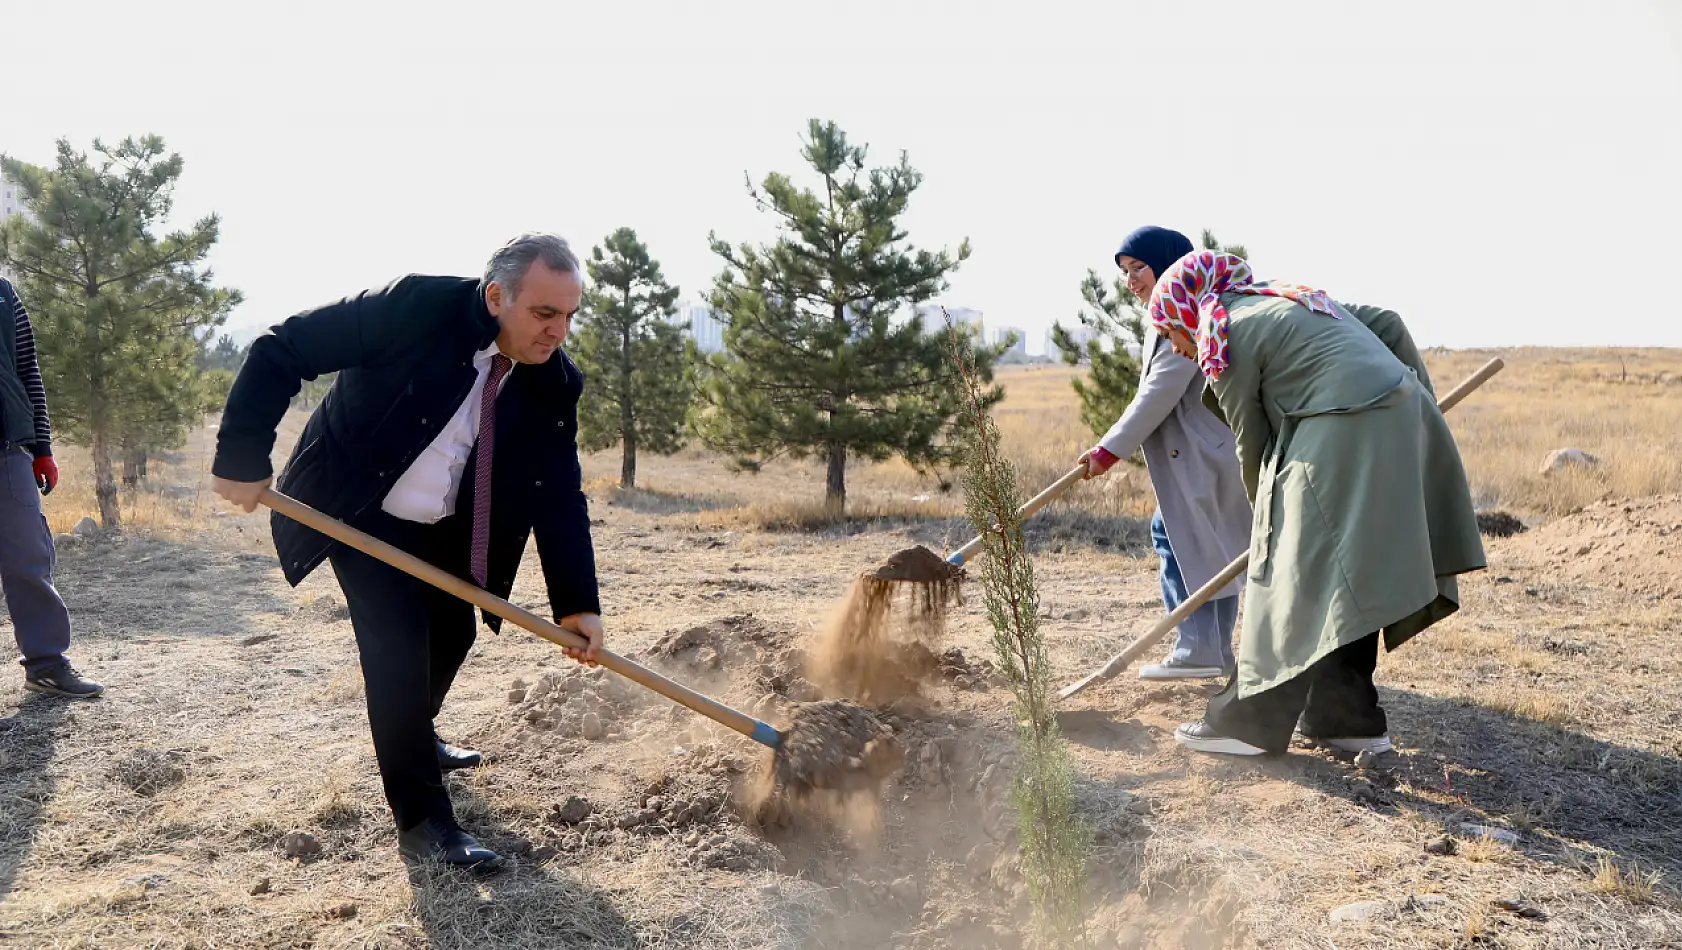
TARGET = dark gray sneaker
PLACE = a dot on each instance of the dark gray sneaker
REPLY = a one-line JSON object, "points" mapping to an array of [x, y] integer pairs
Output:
{"points": [[62, 680]]}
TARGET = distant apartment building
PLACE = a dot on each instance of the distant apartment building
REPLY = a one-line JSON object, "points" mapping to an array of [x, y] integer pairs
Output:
{"points": [[1019, 347], [704, 325], [935, 319], [1082, 335], [11, 199], [11, 202]]}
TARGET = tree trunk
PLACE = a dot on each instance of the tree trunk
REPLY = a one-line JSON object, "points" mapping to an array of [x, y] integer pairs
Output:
{"points": [[105, 482], [627, 412], [835, 498], [134, 465]]}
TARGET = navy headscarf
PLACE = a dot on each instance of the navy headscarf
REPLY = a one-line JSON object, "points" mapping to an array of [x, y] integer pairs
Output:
{"points": [[1157, 247]]}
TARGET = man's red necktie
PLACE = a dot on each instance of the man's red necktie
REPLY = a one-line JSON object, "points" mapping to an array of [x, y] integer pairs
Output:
{"points": [[500, 365]]}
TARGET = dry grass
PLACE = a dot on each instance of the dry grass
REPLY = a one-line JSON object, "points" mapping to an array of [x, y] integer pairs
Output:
{"points": [[1477, 921], [173, 511], [1484, 849], [1622, 406], [1551, 399], [1633, 885], [174, 503], [1528, 703]]}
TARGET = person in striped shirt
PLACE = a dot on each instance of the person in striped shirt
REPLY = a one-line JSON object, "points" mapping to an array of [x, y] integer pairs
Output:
{"points": [[40, 622]]}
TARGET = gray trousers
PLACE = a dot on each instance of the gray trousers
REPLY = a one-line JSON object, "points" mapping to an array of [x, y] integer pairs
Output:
{"points": [[39, 620]]}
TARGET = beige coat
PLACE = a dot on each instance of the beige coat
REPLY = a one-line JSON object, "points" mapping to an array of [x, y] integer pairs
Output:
{"points": [[1362, 512], [1194, 469]]}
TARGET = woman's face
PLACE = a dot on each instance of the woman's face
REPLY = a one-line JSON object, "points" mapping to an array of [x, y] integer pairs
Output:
{"points": [[1140, 279]]}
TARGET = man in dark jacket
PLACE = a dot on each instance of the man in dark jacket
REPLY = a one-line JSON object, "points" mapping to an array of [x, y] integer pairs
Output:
{"points": [[449, 432], [39, 620]]}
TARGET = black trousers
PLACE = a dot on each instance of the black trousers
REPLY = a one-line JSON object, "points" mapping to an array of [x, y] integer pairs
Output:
{"points": [[412, 638], [1335, 699]]}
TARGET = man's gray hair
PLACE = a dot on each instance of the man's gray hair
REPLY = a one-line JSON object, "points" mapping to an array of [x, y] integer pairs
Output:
{"points": [[508, 266]]}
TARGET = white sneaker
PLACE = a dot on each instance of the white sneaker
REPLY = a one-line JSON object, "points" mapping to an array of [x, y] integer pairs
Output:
{"points": [[1202, 737], [1377, 745], [1174, 671]]}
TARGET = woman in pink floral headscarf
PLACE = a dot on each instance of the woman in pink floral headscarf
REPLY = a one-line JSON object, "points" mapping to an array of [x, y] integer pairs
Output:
{"points": [[1362, 515]]}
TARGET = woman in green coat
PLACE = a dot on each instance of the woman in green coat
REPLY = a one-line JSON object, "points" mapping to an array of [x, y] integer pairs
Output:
{"points": [[1362, 515]]}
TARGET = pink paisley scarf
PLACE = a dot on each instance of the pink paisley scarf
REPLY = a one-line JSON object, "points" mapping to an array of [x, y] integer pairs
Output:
{"points": [[1187, 297]]}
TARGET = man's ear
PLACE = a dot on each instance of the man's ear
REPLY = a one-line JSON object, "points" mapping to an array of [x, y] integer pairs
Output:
{"points": [[493, 299]]}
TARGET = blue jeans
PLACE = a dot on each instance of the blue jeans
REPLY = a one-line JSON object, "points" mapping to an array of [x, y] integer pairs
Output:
{"points": [[39, 619], [1205, 638]]}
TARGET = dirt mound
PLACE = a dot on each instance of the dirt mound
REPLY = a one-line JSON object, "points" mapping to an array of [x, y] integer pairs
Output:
{"points": [[732, 636], [738, 649], [691, 802], [835, 744], [1623, 546], [576, 701], [970, 674]]}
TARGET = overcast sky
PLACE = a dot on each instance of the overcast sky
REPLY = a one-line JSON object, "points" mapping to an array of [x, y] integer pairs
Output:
{"points": [[1488, 169]]}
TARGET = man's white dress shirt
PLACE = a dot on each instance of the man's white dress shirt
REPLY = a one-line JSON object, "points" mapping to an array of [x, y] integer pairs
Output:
{"points": [[427, 491]]}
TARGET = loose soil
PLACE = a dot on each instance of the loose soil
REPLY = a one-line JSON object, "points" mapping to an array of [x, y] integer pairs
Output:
{"points": [[881, 641]]}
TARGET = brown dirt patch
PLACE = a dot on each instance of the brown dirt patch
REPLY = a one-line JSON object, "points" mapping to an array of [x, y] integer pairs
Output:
{"points": [[1618, 545], [834, 747]]}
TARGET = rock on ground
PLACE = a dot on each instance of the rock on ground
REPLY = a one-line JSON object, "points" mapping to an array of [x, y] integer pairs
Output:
{"points": [[1561, 459]]}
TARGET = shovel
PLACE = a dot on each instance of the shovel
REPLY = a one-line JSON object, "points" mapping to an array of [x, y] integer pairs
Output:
{"points": [[832, 744], [1207, 592], [761, 732], [1029, 508]]}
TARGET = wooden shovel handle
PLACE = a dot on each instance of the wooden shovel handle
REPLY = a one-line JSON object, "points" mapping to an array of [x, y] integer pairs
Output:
{"points": [[760, 732], [1228, 574], [1029, 508], [1471, 382]]}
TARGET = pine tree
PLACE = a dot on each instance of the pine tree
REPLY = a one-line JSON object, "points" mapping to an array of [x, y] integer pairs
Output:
{"points": [[640, 384], [183, 391], [121, 313], [1113, 315], [224, 354], [1119, 334], [815, 363]]}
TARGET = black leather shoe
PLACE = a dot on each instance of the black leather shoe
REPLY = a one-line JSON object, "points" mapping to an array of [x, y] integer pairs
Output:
{"points": [[62, 680], [448, 844], [451, 758]]}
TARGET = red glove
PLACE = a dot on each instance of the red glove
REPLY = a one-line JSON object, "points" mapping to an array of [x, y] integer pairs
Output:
{"points": [[46, 474], [1104, 457]]}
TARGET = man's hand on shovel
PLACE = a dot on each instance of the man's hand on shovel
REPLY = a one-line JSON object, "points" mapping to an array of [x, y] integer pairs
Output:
{"points": [[248, 495], [588, 626], [243, 495]]}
